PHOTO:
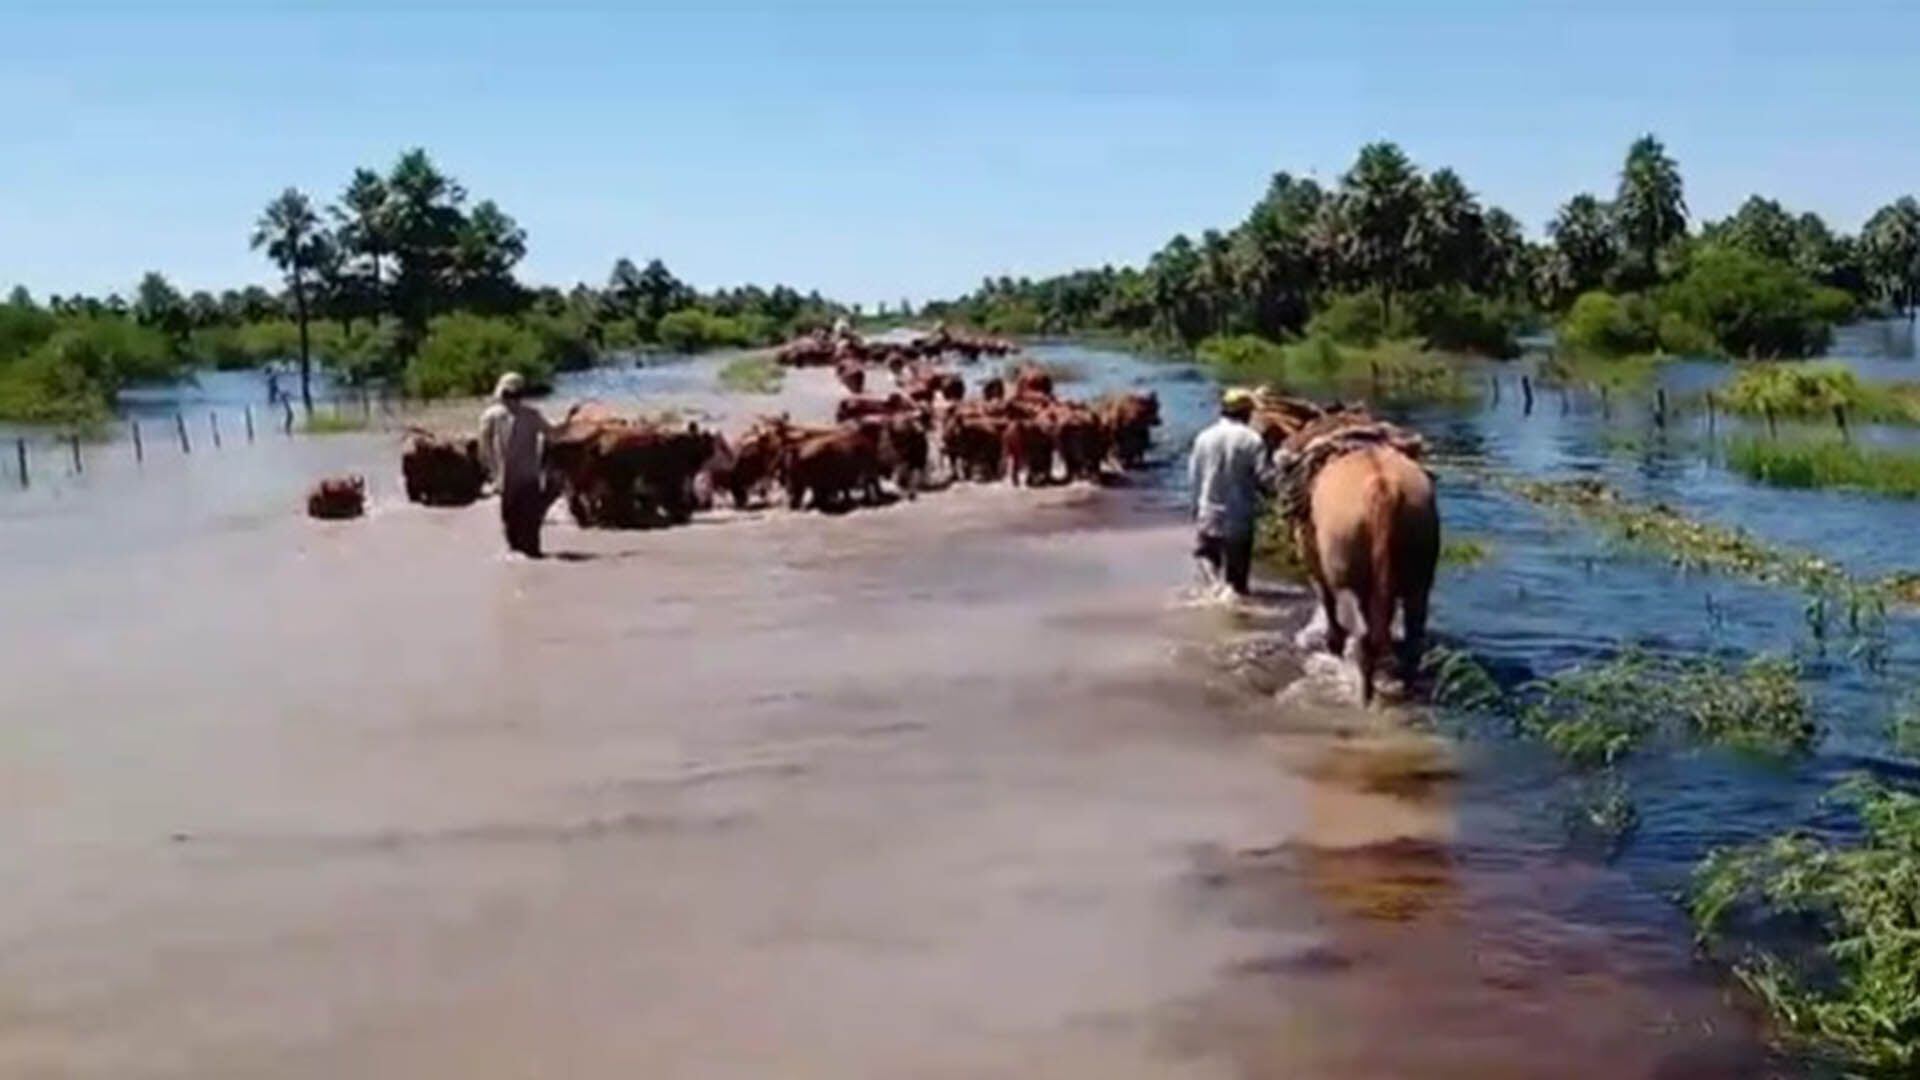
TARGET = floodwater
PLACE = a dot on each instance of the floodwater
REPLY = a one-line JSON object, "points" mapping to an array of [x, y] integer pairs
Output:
{"points": [[968, 786]]}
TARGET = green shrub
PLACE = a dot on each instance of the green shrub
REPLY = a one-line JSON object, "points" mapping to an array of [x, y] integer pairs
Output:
{"points": [[696, 330], [566, 339], [1358, 318], [466, 354], [72, 375], [1754, 306], [1608, 325], [1811, 390], [1456, 320], [1398, 371]]}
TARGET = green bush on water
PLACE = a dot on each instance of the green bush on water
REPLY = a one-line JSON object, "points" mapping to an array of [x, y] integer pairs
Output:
{"points": [[1854, 989], [1401, 370], [464, 355], [753, 373], [1826, 465], [1810, 391]]}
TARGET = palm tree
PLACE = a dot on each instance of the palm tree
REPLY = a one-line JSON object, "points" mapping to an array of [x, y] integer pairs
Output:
{"points": [[1584, 247], [1890, 244], [289, 230], [363, 219], [1449, 233], [1381, 202], [1215, 278], [1651, 205]]}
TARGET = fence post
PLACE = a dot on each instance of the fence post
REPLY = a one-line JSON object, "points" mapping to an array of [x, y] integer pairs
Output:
{"points": [[1494, 381], [213, 425], [1710, 416], [1606, 403], [1660, 407], [73, 441], [139, 450], [366, 404], [1767, 408], [180, 424], [1566, 403], [1526, 393], [287, 427], [1840, 417], [249, 423], [20, 451]]}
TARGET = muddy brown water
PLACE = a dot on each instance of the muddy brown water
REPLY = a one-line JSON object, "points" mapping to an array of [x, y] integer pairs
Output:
{"points": [[960, 787]]}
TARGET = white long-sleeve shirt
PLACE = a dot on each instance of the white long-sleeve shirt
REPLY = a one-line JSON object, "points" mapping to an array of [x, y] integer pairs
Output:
{"points": [[1229, 469], [510, 442]]}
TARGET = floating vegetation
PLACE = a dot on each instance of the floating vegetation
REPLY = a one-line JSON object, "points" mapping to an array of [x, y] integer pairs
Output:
{"points": [[1619, 374], [1846, 980], [1465, 551], [753, 373], [1602, 816], [1391, 371], [1459, 681], [1596, 714], [1811, 391], [1826, 465], [1903, 728]]}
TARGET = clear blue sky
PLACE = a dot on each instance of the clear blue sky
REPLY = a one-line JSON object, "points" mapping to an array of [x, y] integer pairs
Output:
{"points": [[876, 151]]}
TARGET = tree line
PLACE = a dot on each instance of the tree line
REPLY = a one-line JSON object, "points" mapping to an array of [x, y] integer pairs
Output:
{"points": [[1389, 249], [401, 279]]}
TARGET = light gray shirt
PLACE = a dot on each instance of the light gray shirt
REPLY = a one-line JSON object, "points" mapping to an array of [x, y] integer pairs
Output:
{"points": [[1229, 470], [510, 442]]}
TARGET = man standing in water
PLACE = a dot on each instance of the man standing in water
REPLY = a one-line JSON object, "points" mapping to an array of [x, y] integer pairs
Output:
{"points": [[1229, 471], [512, 436]]}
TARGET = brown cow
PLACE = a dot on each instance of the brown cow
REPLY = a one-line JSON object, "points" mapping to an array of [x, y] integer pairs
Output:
{"points": [[1130, 420], [1081, 439], [1031, 381], [903, 452], [625, 475], [972, 442], [442, 472], [834, 467], [337, 498], [994, 389], [852, 376], [858, 408], [1028, 447]]}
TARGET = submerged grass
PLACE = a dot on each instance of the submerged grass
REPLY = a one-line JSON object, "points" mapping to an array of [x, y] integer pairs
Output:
{"points": [[1844, 979], [753, 373], [1623, 374], [1826, 465], [1859, 605], [333, 424]]}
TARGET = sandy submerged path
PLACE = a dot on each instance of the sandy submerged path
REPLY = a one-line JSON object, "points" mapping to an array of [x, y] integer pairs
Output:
{"points": [[952, 788]]}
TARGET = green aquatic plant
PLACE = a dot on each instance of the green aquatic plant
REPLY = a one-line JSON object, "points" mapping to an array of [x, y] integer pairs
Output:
{"points": [[753, 373], [321, 423], [1402, 371], [1826, 465], [1602, 814], [1903, 727], [1597, 713], [1465, 551], [1460, 682], [1851, 985]]}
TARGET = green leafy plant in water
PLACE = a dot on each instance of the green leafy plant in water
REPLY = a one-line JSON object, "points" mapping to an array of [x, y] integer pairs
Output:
{"points": [[1826, 465], [1459, 681], [1595, 714], [1903, 728], [1856, 991], [1603, 815], [1465, 551], [753, 373]]}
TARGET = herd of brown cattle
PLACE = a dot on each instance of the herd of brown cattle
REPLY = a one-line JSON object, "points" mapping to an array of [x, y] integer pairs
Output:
{"points": [[821, 349], [622, 472]]}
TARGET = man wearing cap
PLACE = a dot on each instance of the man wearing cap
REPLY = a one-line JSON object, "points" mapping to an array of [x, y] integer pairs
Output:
{"points": [[512, 434], [1229, 471]]}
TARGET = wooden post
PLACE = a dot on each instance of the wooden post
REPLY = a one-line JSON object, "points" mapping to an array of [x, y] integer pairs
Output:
{"points": [[180, 425], [213, 425], [20, 450], [1768, 409], [139, 450], [1840, 417], [1710, 416], [73, 441], [249, 423], [287, 404], [1526, 393], [1373, 368], [1606, 403], [1494, 381], [1566, 403], [1660, 407], [366, 403]]}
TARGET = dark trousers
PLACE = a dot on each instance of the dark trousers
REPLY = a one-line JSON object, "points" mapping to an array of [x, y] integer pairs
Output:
{"points": [[1230, 557], [523, 508]]}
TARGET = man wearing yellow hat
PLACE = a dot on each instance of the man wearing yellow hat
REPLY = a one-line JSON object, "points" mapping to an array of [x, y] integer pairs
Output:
{"points": [[1229, 470]]}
